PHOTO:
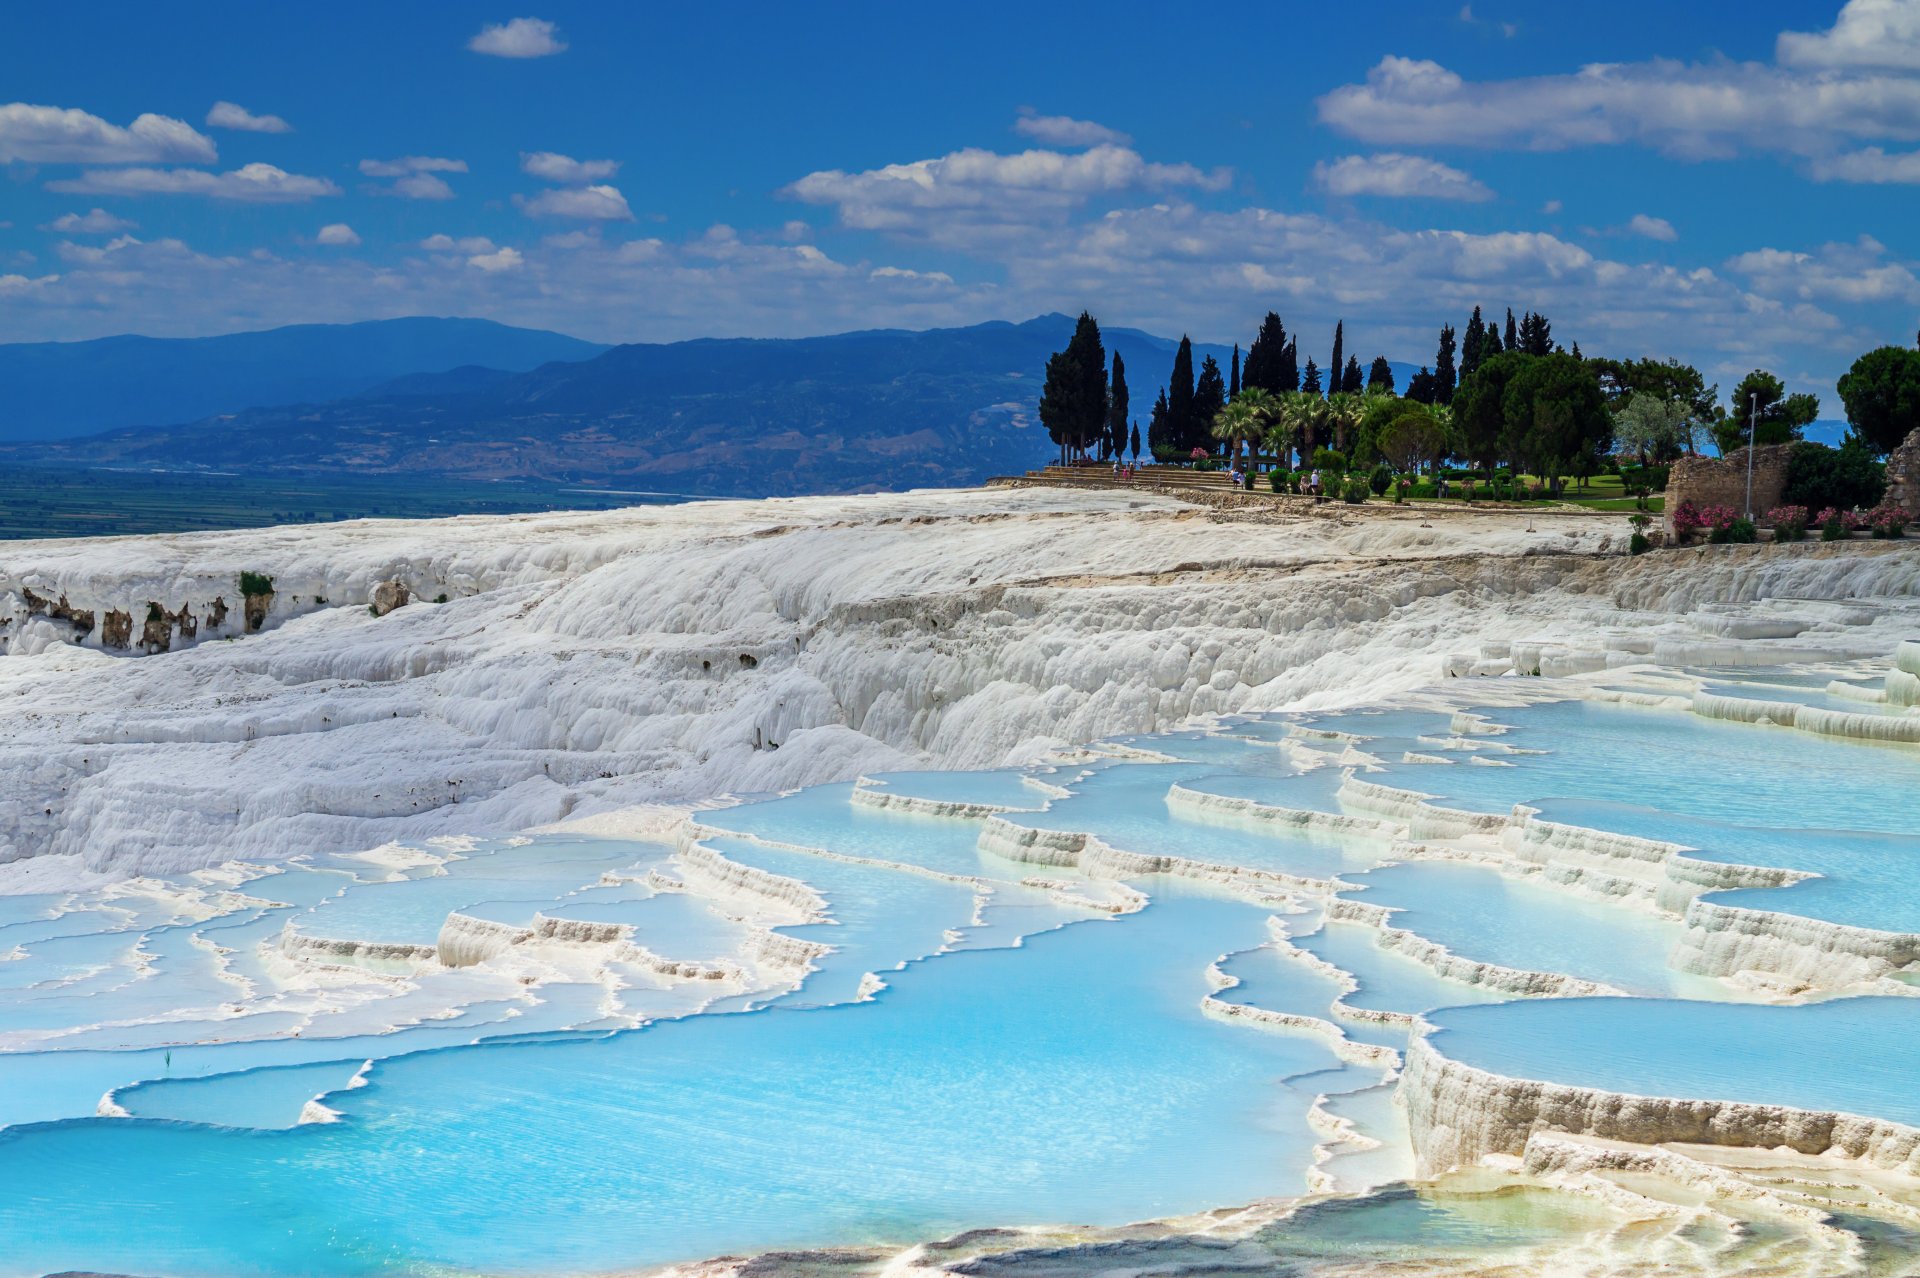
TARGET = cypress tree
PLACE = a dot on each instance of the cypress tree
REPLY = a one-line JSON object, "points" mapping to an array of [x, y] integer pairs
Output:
{"points": [[1380, 376], [1136, 441], [1158, 434], [1089, 357], [1333, 368], [1209, 397], [1117, 408], [1288, 378], [1490, 343], [1265, 366], [1420, 386], [1350, 380], [1180, 396], [1443, 372], [1311, 382], [1233, 385], [1513, 333], [1476, 337]]}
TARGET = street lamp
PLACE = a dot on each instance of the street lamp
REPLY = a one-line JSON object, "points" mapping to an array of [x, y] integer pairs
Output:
{"points": [[1753, 439]]}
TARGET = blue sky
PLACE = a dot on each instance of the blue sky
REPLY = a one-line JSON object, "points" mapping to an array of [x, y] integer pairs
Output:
{"points": [[1736, 185]]}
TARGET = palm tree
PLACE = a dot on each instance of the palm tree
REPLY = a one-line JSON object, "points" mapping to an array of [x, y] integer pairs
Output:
{"points": [[1344, 413], [1303, 416], [1245, 419]]}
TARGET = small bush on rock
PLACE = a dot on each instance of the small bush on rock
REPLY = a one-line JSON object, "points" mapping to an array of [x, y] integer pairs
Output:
{"points": [[1357, 491]]}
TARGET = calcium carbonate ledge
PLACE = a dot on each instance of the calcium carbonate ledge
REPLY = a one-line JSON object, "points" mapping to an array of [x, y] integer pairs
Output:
{"points": [[1459, 1114]]}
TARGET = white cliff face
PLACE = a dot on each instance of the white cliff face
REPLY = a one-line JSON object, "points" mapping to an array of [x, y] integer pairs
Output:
{"points": [[586, 662]]}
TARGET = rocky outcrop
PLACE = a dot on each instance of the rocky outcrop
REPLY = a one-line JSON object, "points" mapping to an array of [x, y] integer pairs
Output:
{"points": [[1903, 475], [387, 596]]}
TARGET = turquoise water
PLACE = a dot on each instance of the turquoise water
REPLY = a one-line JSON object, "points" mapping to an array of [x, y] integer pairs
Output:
{"points": [[1851, 1055], [1071, 1079], [968, 1049]]}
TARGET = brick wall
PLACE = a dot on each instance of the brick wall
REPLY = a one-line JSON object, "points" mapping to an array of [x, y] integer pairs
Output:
{"points": [[1722, 481], [1903, 474]]}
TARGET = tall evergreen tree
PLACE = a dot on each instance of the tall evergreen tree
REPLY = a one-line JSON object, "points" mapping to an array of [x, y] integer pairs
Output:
{"points": [[1289, 374], [1073, 403], [1339, 342], [1476, 336], [1536, 335], [1420, 387], [1443, 371], [1490, 343], [1380, 376], [1513, 332], [1233, 383], [1266, 356], [1310, 384], [1159, 426], [1180, 396], [1117, 407], [1350, 382], [1209, 397], [1136, 441]]}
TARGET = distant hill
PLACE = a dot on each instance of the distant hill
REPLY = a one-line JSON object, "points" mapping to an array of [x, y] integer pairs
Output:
{"points": [[58, 390], [855, 411]]}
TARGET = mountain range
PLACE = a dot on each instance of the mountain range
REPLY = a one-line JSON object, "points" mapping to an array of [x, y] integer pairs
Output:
{"points": [[881, 409]]}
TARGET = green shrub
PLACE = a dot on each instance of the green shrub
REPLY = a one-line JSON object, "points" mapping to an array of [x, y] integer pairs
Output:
{"points": [[1424, 490], [1738, 533], [1639, 544], [1380, 480], [1356, 492], [1326, 460], [439, 598], [255, 583]]}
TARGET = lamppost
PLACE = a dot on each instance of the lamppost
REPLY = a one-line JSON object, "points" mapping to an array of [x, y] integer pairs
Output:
{"points": [[1753, 439]]}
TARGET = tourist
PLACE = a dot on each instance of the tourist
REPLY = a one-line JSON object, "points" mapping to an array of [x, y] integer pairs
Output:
{"points": [[1313, 484]]}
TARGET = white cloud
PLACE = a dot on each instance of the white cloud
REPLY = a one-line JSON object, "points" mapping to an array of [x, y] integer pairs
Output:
{"points": [[1399, 176], [1693, 110], [980, 187], [1860, 272], [566, 170], [1064, 130], [465, 244], [1652, 228], [411, 164], [506, 259], [21, 285], [520, 38], [1869, 164], [414, 176], [337, 233], [55, 135], [229, 115], [1868, 33], [1551, 207], [92, 222], [903, 274], [587, 203], [249, 184]]}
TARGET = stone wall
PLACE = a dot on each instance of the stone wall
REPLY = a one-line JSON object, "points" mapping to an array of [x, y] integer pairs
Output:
{"points": [[1903, 474], [1722, 481]]}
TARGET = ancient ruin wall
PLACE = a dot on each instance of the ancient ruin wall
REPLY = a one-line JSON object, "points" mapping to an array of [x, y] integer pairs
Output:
{"points": [[1903, 474], [1722, 481]]}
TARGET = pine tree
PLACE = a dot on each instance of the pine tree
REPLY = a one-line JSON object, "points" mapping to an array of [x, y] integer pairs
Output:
{"points": [[1117, 408], [1490, 343], [1350, 382], [1476, 337], [1420, 387], [1333, 368], [1380, 376], [1513, 333], [1443, 373], [1288, 378], [1233, 384], [1180, 396], [1310, 384], [1209, 397], [1536, 335]]}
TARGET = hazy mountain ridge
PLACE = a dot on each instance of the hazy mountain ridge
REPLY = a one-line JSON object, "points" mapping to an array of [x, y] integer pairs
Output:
{"points": [[60, 390]]}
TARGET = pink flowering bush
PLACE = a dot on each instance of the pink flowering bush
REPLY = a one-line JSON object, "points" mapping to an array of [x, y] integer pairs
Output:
{"points": [[1789, 522], [1886, 521], [1686, 520]]}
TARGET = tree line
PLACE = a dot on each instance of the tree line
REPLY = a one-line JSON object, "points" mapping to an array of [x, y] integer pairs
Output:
{"points": [[1494, 393]]}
